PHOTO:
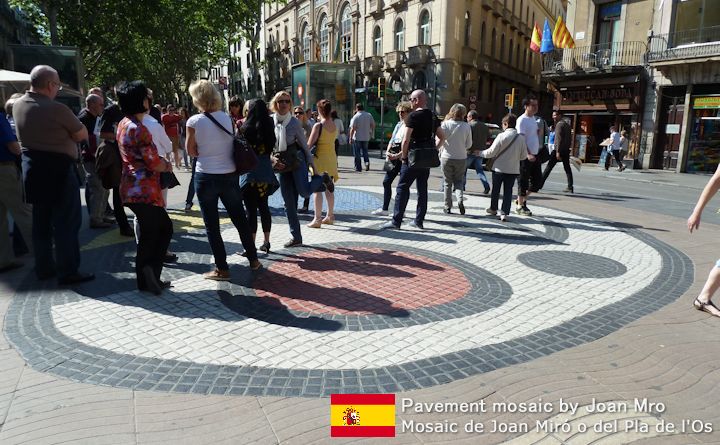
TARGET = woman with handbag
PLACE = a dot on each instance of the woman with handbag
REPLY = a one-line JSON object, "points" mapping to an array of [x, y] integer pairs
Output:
{"points": [[291, 160], [453, 158], [323, 137], [209, 138], [258, 184], [507, 150], [392, 156], [140, 186]]}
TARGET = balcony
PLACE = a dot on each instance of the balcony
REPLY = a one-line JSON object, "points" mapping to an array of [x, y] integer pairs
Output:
{"points": [[486, 4], [683, 46], [468, 56], [497, 8], [420, 55], [394, 60], [602, 58], [372, 64], [506, 15], [376, 8], [515, 23], [397, 5]]}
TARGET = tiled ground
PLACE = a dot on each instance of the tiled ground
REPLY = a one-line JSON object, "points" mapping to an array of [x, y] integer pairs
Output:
{"points": [[358, 309]]}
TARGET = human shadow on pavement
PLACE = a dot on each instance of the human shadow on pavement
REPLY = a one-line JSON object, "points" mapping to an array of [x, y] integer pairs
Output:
{"points": [[385, 256], [397, 234]]}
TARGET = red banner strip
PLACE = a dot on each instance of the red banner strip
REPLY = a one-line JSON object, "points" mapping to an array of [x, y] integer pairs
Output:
{"points": [[362, 399], [362, 431]]}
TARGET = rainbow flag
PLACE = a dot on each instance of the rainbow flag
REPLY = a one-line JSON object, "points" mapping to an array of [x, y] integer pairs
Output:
{"points": [[536, 40], [561, 36], [362, 415]]}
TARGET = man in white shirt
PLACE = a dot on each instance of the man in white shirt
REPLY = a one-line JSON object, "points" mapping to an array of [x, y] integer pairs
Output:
{"points": [[530, 179], [362, 128]]}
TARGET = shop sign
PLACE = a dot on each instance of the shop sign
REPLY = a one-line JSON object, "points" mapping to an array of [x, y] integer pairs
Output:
{"points": [[672, 129], [597, 94], [705, 102]]}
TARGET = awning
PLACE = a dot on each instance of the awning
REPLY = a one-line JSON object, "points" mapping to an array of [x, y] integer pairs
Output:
{"points": [[595, 81]]}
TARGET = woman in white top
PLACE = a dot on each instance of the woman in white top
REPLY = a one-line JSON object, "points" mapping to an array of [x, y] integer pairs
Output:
{"points": [[508, 149], [341, 137], [209, 138], [392, 156], [454, 154]]}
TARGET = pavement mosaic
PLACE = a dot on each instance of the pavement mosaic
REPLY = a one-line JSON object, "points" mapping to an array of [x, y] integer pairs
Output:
{"points": [[357, 309]]}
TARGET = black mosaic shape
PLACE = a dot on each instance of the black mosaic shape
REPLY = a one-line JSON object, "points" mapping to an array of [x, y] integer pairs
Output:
{"points": [[572, 264]]}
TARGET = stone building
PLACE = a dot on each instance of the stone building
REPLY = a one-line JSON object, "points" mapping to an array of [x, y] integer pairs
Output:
{"points": [[683, 108], [467, 51], [602, 81]]}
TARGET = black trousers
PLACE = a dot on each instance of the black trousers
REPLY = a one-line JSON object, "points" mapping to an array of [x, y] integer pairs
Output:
{"points": [[507, 180], [253, 203], [119, 211], [155, 233], [565, 158], [618, 158]]}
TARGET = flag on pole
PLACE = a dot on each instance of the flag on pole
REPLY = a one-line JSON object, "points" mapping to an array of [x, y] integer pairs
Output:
{"points": [[336, 55], [362, 415], [561, 36], [547, 43], [536, 40]]}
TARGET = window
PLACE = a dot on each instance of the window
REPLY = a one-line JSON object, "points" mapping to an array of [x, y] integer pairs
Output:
{"points": [[419, 81], [377, 41], [510, 56], [492, 43], [696, 15], [424, 28], [482, 38], [345, 34], [502, 48], [324, 40], [399, 36], [305, 43], [481, 88], [608, 24], [517, 56], [466, 41]]}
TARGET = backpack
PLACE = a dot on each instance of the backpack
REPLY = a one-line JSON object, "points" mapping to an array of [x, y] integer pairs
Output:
{"points": [[108, 164]]}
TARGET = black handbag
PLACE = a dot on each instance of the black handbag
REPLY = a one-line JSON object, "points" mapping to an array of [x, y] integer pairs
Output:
{"points": [[168, 180], [243, 155], [543, 155], [424, 158], [286, 161], [391, 165]]}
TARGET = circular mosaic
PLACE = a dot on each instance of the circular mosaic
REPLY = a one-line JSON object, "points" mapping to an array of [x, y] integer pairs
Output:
{"points": [[252, 337], [572, 264]]}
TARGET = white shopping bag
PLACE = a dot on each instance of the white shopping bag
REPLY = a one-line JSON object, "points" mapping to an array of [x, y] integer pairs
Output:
{"points": [[576, 162]]}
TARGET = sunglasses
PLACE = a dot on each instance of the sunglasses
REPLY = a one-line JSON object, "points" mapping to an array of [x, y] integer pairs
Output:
{"points": [[283, 101], [299, 112]]}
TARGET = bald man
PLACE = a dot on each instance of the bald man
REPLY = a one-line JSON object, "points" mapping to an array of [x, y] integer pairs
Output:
{"points": [[95, 194], [422, 130], [49, 133]]}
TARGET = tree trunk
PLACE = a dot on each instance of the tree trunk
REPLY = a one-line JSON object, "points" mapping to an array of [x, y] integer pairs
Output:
{"points": [[52, 14]]}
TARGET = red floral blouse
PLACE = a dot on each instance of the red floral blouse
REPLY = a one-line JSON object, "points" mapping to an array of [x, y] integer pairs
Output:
{"points": [[140, 183]]}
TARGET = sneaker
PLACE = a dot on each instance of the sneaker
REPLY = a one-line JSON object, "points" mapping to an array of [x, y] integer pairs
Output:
{"points": [[255, 265], [217, 275], [486, 191], [519, 210], [503, 218], [524, 211], [569, 190], [292, 243], [389, 225], [367, 166], [490, 211], [461, 207], [188, 207], [447, 210], [417, 225], [380, 212]]}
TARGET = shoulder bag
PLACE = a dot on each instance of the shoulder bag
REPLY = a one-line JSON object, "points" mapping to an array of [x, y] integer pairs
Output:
{"points": [[244, 156], [391, 165], [490, 162], [425, 154]]}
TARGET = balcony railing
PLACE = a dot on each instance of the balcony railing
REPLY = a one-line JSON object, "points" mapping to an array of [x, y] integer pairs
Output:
{"points": [[372, 64], [688, 44], [420, 55], [595, 58], [468, 56], [394, 60]]}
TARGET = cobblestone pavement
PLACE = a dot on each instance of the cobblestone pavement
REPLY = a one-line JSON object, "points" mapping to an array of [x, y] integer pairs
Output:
{"points": [[574, 305]]}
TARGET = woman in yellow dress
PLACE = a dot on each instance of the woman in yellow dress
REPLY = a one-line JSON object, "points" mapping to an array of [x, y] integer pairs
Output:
{"points": [[323, 136]]}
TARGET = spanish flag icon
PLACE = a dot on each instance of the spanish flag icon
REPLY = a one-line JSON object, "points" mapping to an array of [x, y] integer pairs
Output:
{"points": [[362, 415]]}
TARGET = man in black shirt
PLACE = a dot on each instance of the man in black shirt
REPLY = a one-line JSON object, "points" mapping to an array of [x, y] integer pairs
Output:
{"points": [[95, 194], [111, 117], [420, 131], [561, 149]]}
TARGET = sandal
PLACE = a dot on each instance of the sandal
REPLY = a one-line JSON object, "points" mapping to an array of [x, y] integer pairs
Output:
{"points": [[315, 224], [699, 305], [328, 220]]}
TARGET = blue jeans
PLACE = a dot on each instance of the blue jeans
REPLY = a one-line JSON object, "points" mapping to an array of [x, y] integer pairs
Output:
{"points": [[294, 184], [507, 180], [191, 186], [476, 162], [360, 148], [402, 194], [58, 220], [226, 188], [387, 184]]}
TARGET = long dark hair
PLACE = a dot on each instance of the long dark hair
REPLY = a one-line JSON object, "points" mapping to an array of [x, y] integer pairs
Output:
{"points": [[258, 127]]}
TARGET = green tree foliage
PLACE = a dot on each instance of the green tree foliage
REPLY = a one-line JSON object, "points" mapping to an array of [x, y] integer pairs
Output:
{"points": [[163, 42]]}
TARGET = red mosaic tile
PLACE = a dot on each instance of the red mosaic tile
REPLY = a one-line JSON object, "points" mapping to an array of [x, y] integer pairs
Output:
{"points": [[359, 281]]}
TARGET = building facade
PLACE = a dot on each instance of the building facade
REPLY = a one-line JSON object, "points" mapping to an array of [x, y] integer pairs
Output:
{"points": [[684, 63], [602, 81], [467, 51]]}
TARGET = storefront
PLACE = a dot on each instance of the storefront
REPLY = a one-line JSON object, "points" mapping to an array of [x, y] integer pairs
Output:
{"points": [[333, 81], [593, 105], [704, 138]]}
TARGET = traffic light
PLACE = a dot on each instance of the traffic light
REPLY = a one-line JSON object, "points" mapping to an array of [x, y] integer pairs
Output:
{"points": [[510, 100], [381, 87]]}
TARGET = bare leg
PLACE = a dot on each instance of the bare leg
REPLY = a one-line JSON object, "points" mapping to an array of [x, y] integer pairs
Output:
{"points": [[331, 204], [317, 218], [711, 286]]}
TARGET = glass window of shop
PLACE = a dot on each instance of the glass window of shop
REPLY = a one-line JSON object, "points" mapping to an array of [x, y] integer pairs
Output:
{"points": [[314, 81], [704, 147]]}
